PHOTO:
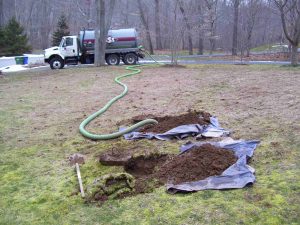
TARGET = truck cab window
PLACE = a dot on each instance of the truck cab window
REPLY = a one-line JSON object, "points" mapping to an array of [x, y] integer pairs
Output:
{"points": [[69, 41]]}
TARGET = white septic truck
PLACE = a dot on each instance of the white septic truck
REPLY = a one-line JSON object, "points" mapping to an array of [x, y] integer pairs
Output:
{"points": [[121, 44]]}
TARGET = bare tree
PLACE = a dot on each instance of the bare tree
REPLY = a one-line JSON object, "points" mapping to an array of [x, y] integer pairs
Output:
{"points": [[200, 43], [174, 35], [86, 11], [157, 25], [188, 26], [236, 4], [212, 6], [249, 17], [1, 14], [125, 13], [44, 23], [103, 24], [290, 18], [146, 25]]}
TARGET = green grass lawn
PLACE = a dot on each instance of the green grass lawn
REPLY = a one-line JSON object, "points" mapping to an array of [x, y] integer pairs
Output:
{"points": [[39, 117]]}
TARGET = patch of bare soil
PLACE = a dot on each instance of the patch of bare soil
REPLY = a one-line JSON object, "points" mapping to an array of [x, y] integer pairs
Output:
{"points": [[173, 66], [279, 56], [196, 164], [168, 122]]}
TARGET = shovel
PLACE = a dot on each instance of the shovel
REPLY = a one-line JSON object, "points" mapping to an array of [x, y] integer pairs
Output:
{"points": [[77, 159]]}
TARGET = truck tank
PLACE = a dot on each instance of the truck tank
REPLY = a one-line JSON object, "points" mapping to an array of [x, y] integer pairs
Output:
{"points": [[116, 39]]}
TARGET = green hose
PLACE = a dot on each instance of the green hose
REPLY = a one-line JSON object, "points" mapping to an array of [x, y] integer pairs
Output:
{"points": [[84, 123]]}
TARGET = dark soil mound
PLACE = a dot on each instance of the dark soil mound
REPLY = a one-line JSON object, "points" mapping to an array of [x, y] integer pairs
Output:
{"points": [[196, 164], [168, 122]]}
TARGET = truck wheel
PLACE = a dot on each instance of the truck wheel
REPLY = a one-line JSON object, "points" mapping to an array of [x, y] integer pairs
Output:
{"points": [[113, 59], [56, 63], [130, 59]]}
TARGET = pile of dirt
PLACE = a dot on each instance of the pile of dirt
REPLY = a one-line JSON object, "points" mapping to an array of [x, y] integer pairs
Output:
{"points": [[196, 164], [169, 122]]}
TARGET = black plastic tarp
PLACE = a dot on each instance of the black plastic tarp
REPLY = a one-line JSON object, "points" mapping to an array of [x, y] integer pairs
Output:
{"points": [[236, 176]]}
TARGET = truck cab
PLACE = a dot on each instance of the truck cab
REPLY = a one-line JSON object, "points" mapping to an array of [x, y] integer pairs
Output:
{"points": [[68, 52]]}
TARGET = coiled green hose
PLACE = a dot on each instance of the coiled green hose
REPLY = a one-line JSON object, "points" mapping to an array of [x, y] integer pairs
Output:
{"points": [[92, 136]]}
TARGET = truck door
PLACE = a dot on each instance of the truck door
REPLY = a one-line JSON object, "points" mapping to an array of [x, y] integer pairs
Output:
{"points": [[70, 48]]}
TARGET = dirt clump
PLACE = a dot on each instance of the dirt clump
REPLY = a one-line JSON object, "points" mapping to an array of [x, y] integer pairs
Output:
{"points": [[110, 186], [115, 157], [119, 154], [168, 122]]}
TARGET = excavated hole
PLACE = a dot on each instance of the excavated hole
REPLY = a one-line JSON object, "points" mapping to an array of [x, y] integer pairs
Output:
{"points": [[156, 169]]}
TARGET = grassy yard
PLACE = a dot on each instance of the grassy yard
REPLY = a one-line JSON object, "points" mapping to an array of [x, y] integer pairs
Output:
{"points": [[39, 117]]}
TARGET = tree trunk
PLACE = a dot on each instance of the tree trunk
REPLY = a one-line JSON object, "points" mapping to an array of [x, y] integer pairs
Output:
{"points": [[44, 24], [110, 15], [145, 24], [235, 27], [200, 46], [174, 39], [189, 30], [248, 51], [200, 43], [212, 40], [248, 44], [1, 14], [157, 25], [212, 45], [294, 55], [126, 20], [100, 42], [292, 34]]}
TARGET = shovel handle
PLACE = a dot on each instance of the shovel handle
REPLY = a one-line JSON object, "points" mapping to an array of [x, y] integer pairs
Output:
{"points": [[79, 180]]}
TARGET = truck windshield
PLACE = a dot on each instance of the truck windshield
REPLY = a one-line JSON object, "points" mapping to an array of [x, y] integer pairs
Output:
{"points": [[69, 41]]}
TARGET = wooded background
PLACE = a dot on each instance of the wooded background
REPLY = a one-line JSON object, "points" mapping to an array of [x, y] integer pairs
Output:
{"points": [[201, 24]]}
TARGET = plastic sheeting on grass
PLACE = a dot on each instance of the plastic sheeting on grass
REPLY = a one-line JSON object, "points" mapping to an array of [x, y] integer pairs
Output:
{"points": [[212, 130], [236, 176]]}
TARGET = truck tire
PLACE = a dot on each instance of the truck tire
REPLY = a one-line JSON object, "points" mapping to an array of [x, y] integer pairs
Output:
{"points": [[130, 59], [113, 59], [56, 63]]}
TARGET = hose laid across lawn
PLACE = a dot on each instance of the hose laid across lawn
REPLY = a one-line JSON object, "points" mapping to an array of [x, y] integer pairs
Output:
{"points": [[84, 123]]}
